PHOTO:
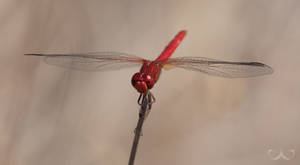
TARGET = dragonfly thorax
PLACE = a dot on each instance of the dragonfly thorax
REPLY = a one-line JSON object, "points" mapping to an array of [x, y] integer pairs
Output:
{"points": [[142, 82]]}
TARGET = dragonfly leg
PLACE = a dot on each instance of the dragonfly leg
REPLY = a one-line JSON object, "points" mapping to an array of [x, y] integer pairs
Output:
{"points": [[149, 96], [139, 101], [151, 99]]}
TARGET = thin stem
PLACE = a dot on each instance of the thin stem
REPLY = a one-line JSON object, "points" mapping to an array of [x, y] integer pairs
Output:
{"points": [[138, 129]]}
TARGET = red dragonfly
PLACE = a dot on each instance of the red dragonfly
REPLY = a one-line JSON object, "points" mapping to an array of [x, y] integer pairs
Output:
{"points": [[145, 79]]}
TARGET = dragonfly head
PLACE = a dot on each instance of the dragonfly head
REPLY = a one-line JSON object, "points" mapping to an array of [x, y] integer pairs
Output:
{"points": [[142, 82]]}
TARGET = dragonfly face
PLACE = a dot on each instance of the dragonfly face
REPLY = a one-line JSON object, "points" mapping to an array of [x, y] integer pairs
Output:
{"points": [[145, 79], [142, 82]]}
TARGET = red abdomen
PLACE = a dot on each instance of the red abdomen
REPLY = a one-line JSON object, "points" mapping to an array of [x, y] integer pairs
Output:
{"points": [[170, 48]]}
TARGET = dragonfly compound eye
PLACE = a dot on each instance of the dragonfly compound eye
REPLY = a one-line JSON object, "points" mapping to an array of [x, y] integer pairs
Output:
{"points": [[135, 78], [138, 83]]}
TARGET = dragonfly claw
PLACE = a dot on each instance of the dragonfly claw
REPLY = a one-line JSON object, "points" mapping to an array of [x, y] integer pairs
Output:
{"points": [[150, 98]]}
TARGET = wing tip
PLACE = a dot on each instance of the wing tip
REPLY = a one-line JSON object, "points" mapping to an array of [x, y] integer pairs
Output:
{"points": [[270, 69], [32, 54], [267, 68]]}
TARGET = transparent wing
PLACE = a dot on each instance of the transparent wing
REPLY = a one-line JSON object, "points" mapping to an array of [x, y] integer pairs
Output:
{"points": [[220, 68], [92, 61]]}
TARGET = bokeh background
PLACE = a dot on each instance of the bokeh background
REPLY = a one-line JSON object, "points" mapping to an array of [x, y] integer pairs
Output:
{"points": [[51, 115]]}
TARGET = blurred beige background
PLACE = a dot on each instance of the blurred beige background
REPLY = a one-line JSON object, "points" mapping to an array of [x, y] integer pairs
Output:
{"points": [[50, 115]]}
